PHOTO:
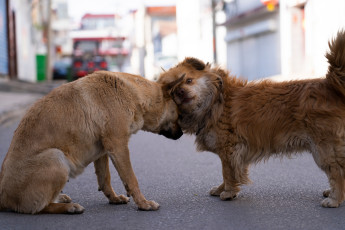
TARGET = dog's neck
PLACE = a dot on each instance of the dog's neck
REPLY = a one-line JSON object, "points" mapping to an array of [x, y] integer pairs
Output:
{"points": [[197, 123], [200, 122], [210, 123], [153, 109]]}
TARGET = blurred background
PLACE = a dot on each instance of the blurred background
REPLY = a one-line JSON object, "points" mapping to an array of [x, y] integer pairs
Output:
{"points": [[44, 40]]}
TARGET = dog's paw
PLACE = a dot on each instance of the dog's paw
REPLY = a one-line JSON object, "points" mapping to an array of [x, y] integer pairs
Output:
{"points": [[75, 208], [216, 191], [63, 198], [228, 195], [326, 193], [121, 199], [330, 203], [148, 205]]}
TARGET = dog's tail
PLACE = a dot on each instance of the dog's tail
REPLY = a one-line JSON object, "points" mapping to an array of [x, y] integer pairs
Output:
{"points": [[336, 60]]}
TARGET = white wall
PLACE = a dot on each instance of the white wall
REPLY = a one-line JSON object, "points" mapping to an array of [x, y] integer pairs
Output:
{"points": [[221, 44], [323, 19], [303, 51], [26, 50], [254, 47], [247, 5], [194, 29], [138, 42]]}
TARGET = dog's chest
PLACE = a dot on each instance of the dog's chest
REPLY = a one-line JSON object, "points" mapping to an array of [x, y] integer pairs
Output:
{"points": [[137, 124], [207, 141]]}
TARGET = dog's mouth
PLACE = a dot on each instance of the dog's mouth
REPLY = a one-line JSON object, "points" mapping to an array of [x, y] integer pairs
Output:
{"points": [[183, 100], [181, 96], [187, 100]]}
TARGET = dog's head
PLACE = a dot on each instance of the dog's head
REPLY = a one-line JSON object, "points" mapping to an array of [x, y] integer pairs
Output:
{"points": [[195, 87], [169, 123]]}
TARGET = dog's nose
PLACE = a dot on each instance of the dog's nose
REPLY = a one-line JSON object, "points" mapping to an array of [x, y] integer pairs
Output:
{"points": [[180, 92]]}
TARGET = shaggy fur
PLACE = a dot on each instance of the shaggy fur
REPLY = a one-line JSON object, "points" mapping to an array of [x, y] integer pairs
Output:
{"points": [[246, 122], [81, 122]]}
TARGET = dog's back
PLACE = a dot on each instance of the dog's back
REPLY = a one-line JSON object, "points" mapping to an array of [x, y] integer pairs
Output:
{"points": [[293, 116]]}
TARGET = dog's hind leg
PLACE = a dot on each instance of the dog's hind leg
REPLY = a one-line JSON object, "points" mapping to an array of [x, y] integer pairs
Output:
{"points": [[326, 193], [336, 193], [57, 174], [104, 181], [330, 160], [50, 176], [38, 184], [63, 198], [63, 208]]}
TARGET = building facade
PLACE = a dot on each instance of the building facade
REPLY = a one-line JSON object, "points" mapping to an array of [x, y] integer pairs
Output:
{"points": [[3, 38], [286, 38], [21, 36], [253, 39]]}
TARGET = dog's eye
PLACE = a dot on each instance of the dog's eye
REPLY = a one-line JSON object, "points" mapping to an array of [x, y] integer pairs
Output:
{"points": [[188, 81]]}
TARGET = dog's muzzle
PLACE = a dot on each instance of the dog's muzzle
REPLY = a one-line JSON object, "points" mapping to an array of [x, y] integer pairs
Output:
{"points": [[176, 134]]}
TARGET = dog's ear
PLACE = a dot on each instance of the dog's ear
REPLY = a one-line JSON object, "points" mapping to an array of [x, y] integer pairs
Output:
{"points": [[217, 82], [208, 66], [220, 72], [169, 87], [195, 63]]}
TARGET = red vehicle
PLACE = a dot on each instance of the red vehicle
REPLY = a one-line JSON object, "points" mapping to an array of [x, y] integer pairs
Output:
{"points": [[92, 54], [98, 45]]}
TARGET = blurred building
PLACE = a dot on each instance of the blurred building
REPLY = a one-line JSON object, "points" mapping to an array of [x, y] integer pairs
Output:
{"points": [[61, 26], [253, 39], [23, 38], [110, 34], [166, 34], [4, 52], [287, 37], [154, 41], [194, 22], [307, 28], [194, 30]]}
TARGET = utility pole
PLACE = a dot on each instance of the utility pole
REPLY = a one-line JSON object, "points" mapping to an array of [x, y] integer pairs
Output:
{"points": [[49, 76], [214, 33]]}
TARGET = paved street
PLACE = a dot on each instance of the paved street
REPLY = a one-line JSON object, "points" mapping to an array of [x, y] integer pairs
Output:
{"points": [[285, 194]]}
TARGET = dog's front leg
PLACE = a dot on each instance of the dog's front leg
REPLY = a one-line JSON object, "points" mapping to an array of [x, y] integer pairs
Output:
{"points": [[217, 190], [230, 185], [119, 154], [104, 178]]}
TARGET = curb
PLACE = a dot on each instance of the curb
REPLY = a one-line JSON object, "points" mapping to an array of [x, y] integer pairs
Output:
{"points": [[28, 87], [8, 116], [18, 108]]}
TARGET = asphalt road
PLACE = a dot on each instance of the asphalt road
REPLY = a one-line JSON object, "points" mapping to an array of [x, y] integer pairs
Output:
{"points": [[285, 194]]}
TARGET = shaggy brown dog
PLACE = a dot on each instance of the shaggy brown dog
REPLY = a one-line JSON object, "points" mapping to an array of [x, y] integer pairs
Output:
{"points": [[78, 123], [247, 122]]}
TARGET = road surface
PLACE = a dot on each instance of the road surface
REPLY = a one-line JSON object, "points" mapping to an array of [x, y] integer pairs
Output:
{"points": [[285, 194]]}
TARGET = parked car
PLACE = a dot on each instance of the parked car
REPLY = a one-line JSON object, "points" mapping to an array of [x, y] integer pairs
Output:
{"points": [[61, 68]]}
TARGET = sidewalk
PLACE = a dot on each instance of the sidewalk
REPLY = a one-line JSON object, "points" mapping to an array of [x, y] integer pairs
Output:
{"points": [[17, 96]]}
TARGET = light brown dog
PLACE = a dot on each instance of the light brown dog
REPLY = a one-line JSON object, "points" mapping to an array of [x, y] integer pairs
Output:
{"points": [[245, 122], [81, 122]]}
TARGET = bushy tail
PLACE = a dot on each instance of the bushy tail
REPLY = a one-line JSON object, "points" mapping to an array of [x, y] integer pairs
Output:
{"points": [[336, 60]]}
